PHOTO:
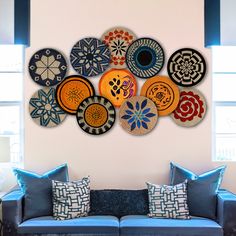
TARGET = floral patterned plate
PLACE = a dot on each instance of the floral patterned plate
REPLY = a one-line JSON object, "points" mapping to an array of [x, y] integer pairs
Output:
{"points": [[163, 92], [72, 91], [191, 109], [118, 40], [47, 67], [90, 57], [44, 109], [138, 115], [117, 85], [186, 67]]}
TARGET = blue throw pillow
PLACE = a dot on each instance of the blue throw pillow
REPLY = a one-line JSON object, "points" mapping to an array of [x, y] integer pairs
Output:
{"points": [[202, 189], [38, 190]]}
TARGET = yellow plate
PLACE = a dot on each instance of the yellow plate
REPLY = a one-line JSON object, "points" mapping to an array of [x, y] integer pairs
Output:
{"points": [[117, 85], [163, 92], [72, 91]]}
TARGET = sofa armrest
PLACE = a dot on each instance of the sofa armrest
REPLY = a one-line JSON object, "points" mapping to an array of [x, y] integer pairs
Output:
{"points": [[226, 212], [12, 205]]}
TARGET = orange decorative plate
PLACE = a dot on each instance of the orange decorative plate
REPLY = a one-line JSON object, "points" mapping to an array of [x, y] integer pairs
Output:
{"points": [[163, 92], [117, 85], [72, 91], [96, 115]]}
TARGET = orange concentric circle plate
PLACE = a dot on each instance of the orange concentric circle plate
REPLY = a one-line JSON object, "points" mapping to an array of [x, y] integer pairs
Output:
{"points": [[72, 91], [117, 85], [163, 92]]}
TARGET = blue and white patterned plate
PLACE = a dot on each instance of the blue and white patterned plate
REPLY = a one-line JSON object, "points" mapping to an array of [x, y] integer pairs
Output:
{"points": [[138, 115], [90, 57], [44, 109], [47, 67], [145, 57]]}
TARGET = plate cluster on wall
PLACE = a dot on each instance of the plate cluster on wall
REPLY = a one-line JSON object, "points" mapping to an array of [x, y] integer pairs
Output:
{"points": [[119, 57]]}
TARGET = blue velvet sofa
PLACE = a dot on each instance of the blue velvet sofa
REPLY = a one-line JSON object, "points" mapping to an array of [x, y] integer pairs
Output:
{"points": [[118, 212]]}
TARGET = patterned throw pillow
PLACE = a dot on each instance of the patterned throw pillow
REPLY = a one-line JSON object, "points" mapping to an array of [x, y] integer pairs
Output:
{"points": [[71, 199], [168, 201]]}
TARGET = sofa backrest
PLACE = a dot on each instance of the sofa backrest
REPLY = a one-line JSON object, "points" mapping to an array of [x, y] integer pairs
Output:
{"points": [[118, 202]]}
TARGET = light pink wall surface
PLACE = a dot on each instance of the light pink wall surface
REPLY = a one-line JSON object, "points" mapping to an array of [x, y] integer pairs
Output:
{"points": [[117, 159]]}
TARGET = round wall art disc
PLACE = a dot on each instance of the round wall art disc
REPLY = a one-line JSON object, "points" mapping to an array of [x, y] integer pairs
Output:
{"points": [[191, 109], [117, 85], [72, 91], [163, 92], [186, 67], [118, 40], [138, 115], [145, 57], [47, 67], [90, 57], [44, 109], [96, 115]]}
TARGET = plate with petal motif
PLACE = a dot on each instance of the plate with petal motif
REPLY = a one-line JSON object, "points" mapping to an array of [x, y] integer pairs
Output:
{"points": [[47, 67], [44, 109]]}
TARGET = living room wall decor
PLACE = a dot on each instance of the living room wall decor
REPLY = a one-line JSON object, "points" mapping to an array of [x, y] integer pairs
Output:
{"points": [[47, 67], [44, 109], [119, 57], [118, 40], [138, 115], [72, 91], [96, 115], [186, 67], [191, 109], [163, 92], [117, 85], [90, 57], [145, 57]]}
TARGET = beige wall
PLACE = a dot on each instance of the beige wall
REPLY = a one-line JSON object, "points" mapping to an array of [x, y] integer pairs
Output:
{"points": [[117, 159]]}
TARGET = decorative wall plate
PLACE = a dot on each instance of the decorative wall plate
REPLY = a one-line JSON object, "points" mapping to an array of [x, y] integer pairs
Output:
{"points": [[47, 67], [117, 85], [72, 91], [90, 57], [44, 109], [163, 92], [191, 109], [118, 40], [145, 57], [186, 67], [96, 115], [138, 115]]}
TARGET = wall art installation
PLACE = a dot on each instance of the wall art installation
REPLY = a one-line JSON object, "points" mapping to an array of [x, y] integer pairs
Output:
{"points": [[96, 115], [119, 58], [44, 109], [145, 57], [191, 109], [117, 85], [72, 91], [186, 67], [90, 57], [118, 40], [163, 92], [47, 67], [138, 115]]}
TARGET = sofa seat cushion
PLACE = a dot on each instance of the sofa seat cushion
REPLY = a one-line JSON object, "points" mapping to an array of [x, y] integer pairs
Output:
{"points": [[143, 225], [89, 225]]}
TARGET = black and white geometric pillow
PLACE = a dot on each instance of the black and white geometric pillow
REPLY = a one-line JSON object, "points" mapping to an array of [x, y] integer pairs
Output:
{"points": [[71, 199], [168, 201]]}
